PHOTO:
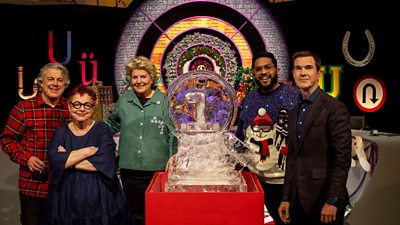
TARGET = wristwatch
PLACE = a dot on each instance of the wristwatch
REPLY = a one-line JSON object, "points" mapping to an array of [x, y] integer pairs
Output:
{"points": [[331, 200]]}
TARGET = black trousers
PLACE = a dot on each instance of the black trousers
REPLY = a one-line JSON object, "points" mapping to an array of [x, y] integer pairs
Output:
{"points": [[135, 183], [272, 200], [31, 209], [301, 217]]}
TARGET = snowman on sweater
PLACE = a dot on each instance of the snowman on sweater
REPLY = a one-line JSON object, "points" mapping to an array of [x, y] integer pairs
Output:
{"points": [[268, 143]]}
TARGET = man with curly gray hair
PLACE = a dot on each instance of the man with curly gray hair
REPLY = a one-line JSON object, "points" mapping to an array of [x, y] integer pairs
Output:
{"points": [[27, 134]]}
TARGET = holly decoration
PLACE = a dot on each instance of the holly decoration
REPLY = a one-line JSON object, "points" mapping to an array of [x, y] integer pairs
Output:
{"points": [[244, 83]]}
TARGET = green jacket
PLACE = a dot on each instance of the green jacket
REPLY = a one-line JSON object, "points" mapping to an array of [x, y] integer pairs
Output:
{"points": [[146, 132]]}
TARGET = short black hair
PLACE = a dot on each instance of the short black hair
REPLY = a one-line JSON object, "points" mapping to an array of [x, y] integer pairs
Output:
{"points": [[305, 53], [264, 54]]}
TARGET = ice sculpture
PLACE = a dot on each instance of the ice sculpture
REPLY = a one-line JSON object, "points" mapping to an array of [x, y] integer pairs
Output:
{"points": [[209, 157]]}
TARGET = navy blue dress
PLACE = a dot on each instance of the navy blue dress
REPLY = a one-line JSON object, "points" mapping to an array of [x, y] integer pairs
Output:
{"points": [[79, 197]]}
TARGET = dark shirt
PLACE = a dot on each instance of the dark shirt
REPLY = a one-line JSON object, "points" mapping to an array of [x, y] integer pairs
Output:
{"points": [[143, 100], [304, 108]]}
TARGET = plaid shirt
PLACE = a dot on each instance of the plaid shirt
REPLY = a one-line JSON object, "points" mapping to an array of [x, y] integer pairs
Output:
{"points": [[28, 132]]}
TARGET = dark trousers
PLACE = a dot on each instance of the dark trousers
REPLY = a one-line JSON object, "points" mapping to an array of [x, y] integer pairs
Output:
{"points": [[31, 209], [301, 217], [135, 183], [272, 200]]}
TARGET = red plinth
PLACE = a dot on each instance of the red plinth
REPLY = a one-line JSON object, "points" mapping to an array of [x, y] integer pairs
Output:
{"points": [[204, 208]]}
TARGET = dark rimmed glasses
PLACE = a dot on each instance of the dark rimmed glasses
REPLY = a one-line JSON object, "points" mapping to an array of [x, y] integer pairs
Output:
{"points": [[267, 67], [86, 105]]}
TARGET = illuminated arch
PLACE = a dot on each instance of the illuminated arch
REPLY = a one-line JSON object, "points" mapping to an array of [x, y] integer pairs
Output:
{"points": [[203, 22], [147, 13]]}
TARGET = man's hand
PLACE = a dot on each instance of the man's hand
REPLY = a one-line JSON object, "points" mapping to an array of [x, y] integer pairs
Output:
{"points": [[35, 164], [328, 213], [284, 212]]}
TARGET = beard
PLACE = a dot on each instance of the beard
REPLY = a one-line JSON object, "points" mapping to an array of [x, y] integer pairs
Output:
{"points": [[267, 87]]}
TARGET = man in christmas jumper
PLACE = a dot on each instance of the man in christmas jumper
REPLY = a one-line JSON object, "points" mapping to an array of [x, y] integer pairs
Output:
{"points": [[268, 143]]}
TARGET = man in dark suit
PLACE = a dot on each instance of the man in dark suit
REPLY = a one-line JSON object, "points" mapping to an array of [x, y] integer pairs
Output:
{"points": [[319, 156]]}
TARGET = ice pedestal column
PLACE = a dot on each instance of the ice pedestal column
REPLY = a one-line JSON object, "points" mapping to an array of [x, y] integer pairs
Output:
{"points": [[204, 164]]}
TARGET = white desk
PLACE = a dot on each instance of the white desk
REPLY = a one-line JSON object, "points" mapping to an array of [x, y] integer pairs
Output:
{"points": [[380, 201]]}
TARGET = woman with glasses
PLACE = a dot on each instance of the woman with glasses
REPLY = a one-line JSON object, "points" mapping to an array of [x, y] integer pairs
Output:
{"points": [[84, 187]]}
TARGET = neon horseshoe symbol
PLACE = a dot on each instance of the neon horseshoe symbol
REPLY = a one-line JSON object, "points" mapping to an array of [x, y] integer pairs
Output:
{"points": [[371, 50]]}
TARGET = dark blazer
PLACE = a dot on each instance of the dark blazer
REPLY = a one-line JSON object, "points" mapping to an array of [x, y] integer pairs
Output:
{"points": [[317, 164]]}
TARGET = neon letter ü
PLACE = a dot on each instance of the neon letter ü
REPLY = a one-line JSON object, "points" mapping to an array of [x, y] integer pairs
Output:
{"points": [[83, 68]]}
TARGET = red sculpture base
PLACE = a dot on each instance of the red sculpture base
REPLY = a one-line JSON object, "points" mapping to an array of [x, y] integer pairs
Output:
{"points": [[204, 208]]}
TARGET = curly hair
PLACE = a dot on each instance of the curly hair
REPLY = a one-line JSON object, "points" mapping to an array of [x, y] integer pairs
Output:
{"points": [[57, 66]]}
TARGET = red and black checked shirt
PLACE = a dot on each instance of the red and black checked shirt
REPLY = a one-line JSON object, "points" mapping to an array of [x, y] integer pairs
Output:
{"points": [[28, 132]]}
